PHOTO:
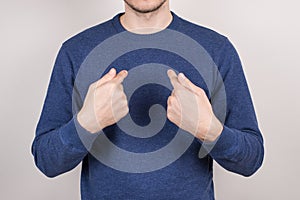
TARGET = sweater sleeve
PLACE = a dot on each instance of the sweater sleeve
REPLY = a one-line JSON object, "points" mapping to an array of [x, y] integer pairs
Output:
{"points": [[239, 148], [58, 145]]}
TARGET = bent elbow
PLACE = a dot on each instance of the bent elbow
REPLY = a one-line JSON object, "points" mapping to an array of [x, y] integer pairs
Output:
{"points": [[50, 173], [251, 170], [41, 164]]}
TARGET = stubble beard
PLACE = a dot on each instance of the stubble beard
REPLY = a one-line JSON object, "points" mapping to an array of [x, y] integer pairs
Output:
{"points": [[145, 10]]}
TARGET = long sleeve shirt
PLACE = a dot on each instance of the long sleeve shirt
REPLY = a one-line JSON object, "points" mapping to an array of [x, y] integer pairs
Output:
{"points": [[61, 143]]}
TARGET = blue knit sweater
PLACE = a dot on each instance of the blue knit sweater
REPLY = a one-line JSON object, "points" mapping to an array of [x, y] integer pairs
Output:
{"points": [[59, 147]]}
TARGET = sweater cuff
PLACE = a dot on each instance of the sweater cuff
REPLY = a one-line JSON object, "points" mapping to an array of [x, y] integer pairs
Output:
{"points": [[224, 146], [76, 136]]}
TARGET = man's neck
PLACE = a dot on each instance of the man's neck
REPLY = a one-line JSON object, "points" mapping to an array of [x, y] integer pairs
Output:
{"points": [[146, 23]]}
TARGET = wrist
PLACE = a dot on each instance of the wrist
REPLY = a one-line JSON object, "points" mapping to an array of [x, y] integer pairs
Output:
{"points": [[88, 124], [215, 130], [211, 131]]}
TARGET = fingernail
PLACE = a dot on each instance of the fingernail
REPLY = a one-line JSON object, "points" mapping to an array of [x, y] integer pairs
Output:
{"points": [[182, 75], [111, 71]]}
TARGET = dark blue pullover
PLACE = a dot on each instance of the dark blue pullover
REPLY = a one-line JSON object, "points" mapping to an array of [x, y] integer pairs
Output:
{"points": [[58, 146]]}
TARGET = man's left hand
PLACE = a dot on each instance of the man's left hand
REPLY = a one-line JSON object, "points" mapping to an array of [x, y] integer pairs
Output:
{"points": [[190, 109]]}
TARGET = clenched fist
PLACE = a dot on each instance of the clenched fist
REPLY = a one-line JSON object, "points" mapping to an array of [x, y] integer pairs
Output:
{"points": [[190, 109], [105, 103]]}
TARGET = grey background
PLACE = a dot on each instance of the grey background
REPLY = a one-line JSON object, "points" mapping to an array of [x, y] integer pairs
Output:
{"points": [[266, 34]]}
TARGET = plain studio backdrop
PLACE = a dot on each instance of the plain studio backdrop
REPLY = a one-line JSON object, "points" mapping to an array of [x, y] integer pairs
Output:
{"points": [[265, 33]]}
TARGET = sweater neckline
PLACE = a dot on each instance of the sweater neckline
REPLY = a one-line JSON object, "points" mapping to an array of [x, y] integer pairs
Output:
{"points": [[120, 28]]}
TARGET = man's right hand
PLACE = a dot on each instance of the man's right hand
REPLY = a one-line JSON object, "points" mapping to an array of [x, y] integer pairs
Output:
{"points": [[105, 103]]}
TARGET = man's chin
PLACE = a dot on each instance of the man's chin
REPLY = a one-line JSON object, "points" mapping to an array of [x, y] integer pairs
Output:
{"points": [[145, 10]]}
